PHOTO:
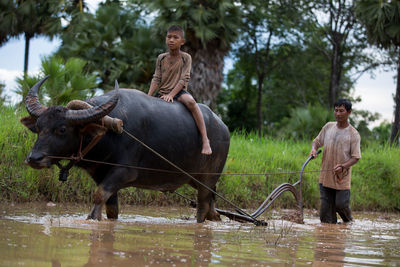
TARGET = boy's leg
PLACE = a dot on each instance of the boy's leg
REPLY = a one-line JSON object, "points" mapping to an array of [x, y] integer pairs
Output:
{"points": [[191, 104]]}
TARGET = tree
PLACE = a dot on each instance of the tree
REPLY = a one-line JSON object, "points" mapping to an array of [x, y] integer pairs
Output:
{"points": [[381, 20], [210, 28], [267, 27], [345, 51], [115, 42], [236, 102], [67, 81], [2, 98], [30, 18]]}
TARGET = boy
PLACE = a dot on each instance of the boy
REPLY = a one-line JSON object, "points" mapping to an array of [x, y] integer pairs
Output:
{"points": [[341, 143], [171, 78]]}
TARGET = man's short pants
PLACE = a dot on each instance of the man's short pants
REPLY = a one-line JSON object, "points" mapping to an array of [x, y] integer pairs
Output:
{"points": [[181, 92]]}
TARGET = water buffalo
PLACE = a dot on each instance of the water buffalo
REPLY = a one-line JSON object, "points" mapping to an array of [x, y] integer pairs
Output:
{"points": [[168, 128]]}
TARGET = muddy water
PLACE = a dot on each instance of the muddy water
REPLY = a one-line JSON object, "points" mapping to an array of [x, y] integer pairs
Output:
{"points": [[41, 235]]}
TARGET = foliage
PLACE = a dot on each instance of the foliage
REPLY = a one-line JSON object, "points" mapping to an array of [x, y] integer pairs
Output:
{"points": [[375, 178], [381, 133], [2, 98], [381, 21], [116, 44], [210, 29], [267, 27], [305, 123], [68, 80], [237, 104], [30, 18], [339, 37], [292, 85]]}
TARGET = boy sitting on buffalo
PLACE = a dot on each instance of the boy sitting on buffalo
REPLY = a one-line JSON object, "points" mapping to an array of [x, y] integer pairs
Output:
{"points": [[171, 78]]}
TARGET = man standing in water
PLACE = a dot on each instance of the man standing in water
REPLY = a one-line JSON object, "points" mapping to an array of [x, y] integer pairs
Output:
{"points": [[341, 143]]}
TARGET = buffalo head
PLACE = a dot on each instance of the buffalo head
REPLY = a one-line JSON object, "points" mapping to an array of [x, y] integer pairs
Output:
{"points": [[59, 128]]}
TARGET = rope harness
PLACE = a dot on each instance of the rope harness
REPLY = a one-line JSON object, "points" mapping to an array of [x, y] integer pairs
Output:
{"points": [[241, 215]]}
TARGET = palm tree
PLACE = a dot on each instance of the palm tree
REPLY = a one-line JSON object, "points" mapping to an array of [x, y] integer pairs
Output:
{"points": [[210, 28], [67, 81], [381, 19], [30, 18], [115, 43]]}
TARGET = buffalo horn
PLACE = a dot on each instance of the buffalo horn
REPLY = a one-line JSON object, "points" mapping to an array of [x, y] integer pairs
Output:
{"points": [[32, 103], [84, 116]]}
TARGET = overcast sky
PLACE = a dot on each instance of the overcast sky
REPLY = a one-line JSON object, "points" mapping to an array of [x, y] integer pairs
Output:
{"points": [[376, 94]]}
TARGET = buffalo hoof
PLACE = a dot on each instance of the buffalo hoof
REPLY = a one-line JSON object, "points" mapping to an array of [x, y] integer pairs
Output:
{"points": [[213, 216], [95, 214]]}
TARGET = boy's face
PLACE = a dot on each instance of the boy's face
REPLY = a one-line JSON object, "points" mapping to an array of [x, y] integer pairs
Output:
{"points": [[341, 114], [174, 40]]}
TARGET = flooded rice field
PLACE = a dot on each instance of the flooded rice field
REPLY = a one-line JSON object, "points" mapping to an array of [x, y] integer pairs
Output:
{"points": [[48, 235]]}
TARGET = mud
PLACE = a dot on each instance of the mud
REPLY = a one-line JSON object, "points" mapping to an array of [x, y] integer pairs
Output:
{"points": [[60, 235]]}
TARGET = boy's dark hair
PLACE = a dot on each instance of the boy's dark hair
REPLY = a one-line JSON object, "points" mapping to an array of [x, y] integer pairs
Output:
{"points": [[176, 28], [343, 102]]}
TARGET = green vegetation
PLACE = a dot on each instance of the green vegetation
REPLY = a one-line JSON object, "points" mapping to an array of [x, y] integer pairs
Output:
{"points": [[376, 178]]}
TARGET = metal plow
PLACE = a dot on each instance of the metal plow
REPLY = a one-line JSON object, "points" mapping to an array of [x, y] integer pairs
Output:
{"points": [[241, 217]]}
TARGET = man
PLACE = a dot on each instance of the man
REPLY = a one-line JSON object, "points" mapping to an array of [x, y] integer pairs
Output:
{"points": [[341, 143]]}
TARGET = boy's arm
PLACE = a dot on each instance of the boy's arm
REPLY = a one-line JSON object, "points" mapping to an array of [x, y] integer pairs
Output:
{"points": [[153, 87], [155, 82], [170, 97]]}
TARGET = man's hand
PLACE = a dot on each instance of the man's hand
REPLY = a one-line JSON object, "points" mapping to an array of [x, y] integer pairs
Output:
{"points": [[168, 98], [338, 169], [313, 153]]}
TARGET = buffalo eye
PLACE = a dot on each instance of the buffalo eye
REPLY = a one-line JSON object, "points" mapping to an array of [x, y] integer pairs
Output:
{"points": [[61, 130]]}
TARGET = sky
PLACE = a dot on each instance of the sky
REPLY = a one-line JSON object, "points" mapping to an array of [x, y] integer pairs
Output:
{"points": [[376, 93]]}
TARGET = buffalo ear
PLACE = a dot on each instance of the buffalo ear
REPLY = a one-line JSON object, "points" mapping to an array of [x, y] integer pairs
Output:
{"points": [[29, 122], [94, 129]]}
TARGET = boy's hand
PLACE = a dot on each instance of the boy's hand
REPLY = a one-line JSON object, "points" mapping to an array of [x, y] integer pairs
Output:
{"points": [[168, 98]]}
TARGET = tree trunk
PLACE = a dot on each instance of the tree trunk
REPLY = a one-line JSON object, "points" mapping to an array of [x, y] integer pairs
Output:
{"points": [[335, 76], [394, 138], [207, 75], [26, 60]]}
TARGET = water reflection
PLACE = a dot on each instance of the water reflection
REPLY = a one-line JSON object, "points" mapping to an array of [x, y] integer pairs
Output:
{"points": [[64, 238], [330, 244], [101, 246]]}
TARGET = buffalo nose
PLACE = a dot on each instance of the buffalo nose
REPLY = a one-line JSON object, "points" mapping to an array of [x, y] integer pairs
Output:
{"points": [[34, 157]]}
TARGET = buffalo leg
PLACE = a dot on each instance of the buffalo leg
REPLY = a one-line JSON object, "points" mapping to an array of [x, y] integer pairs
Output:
{"points": [[212, 214], [116, 179], [112, 207], [205, 208], [99, 198]]}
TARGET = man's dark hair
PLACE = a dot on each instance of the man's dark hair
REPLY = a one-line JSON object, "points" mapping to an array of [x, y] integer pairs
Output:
{"points": [[343, 102], [176, 28]]}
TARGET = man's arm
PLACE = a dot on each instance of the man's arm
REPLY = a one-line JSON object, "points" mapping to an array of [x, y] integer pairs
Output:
{"points": [[314, 149], [339, 168]]}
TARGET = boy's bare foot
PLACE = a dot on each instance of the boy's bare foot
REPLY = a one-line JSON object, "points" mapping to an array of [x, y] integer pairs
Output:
{"points": [[206, 150]]}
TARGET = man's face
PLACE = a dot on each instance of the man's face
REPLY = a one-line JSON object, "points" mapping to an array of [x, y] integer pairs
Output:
{"points": [[174, 40], [341, 114]]}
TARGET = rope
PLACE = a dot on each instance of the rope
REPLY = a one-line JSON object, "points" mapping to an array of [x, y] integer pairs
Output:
{"points": [[192, 173], [194, 179]]}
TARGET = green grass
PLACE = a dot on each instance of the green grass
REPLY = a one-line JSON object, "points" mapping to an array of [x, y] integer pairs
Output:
{"points": [[375, 180]]}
